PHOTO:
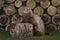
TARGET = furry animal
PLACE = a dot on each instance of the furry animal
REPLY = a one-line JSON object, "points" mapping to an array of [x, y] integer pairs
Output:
{"points": [[28, 17], [21, 30]]}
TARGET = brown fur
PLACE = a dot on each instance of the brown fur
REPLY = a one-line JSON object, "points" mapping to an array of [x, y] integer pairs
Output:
{"points": [[28, 16], [21, 30]]}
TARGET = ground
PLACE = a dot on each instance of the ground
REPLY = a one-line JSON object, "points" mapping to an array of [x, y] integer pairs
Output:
{"points": [[5, 36]]}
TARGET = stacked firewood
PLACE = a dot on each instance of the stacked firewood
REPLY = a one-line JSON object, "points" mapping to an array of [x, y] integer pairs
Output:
{"points": [[19, 16]]}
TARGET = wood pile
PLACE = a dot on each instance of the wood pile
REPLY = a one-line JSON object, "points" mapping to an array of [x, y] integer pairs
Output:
{"points": [[39, 13]]}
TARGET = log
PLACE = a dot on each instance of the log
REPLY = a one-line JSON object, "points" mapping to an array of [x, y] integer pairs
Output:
{"points": [[46, 18], [23, 0], [18, 3], [59, 2], [1, 3], [55, 2], [10, 1], [56, 19], [58, 9], [52, 10], [50, 28], [45, 4], [4, 21], [39, 10], [40, 1], [37, 1], [21, 30], [9, 10], [58, 27], [31, 4], [20, 10]]}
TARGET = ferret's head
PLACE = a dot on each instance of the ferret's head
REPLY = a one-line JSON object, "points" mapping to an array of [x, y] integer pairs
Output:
{"points": [[27, 12]]}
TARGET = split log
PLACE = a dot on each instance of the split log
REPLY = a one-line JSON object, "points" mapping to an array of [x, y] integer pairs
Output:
{"points": [[56, 19], [9, 10], [58, 9], [45, 4], [50, 28], [58, 27], [21, 30], [20, 10], [31, 4], [46, 18], [40, 0], [4, 21], [59, 2], [55, 2], [18, 3], [38, 10], [52, 10]]}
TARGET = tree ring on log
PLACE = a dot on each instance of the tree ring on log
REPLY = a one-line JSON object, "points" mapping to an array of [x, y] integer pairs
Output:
{"points": [[38, 10], [56, 19], [45, 4], [52, 10], [31, 4], [46, 18]]}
